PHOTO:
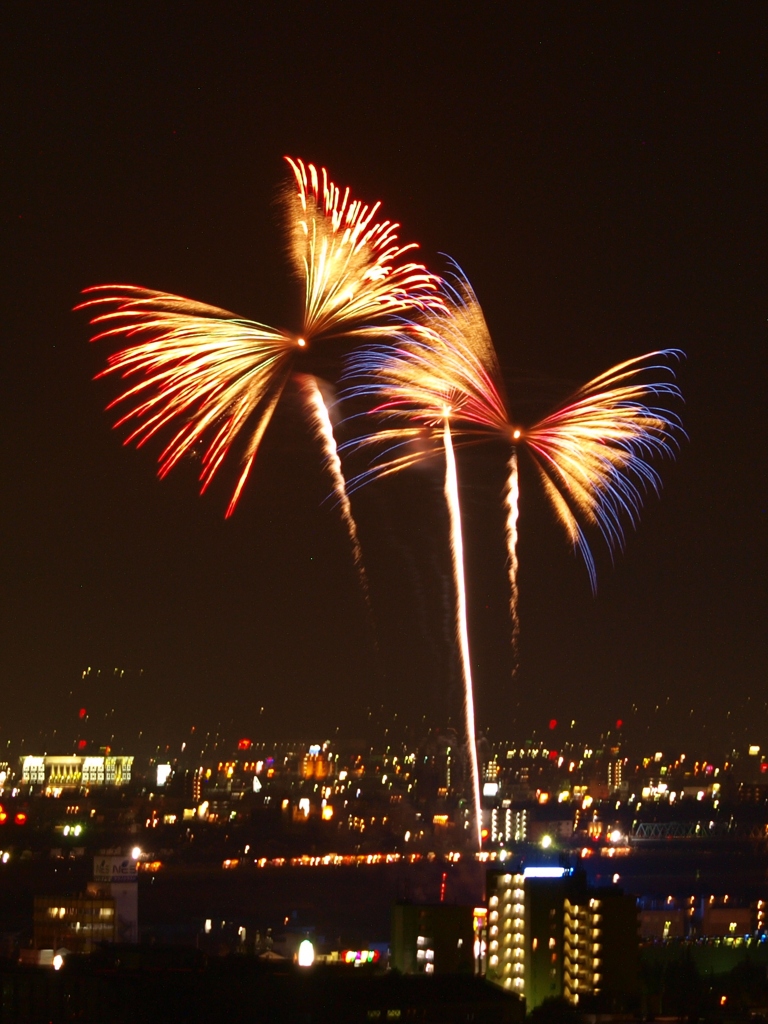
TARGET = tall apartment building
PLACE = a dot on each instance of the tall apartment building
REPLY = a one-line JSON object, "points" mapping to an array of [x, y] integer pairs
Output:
{"points": [[549, 935], [615, 774]]}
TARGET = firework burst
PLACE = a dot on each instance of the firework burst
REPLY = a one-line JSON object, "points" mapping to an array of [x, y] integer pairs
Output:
{"points": [[218, 377], [440, 380], [593, 454]]}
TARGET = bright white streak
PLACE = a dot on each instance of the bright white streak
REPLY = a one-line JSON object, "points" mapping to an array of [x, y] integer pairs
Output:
{"points": [[512, 500], [457, 551], [324, 430]]}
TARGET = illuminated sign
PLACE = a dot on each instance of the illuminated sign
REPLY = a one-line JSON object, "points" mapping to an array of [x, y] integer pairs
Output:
{"points": [[546, 872], [114, 869], [360, 956]]}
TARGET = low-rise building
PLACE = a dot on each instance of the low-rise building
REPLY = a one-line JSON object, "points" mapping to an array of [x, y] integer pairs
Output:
{"points": [[65, 772], [434, 938], [78, 924]]}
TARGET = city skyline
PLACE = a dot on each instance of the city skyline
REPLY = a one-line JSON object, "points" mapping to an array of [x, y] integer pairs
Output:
{"points": [[597, 179]]}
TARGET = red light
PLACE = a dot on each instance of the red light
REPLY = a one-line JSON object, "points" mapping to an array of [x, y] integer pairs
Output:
{"points": [[484, 833], [553, 723], [82, 713], [244, 745], [553, 755], [81, 745], [619, 723], [3, 817], [21, 818]]}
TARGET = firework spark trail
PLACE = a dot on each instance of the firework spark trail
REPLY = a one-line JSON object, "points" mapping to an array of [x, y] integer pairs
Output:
{"points": [[219, 374], [512, 501], [592, 453], [462, 633], [348, 259], [318, 411]]}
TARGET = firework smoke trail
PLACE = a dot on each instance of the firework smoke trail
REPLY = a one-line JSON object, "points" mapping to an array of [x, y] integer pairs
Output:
{"points": [[462, 633], [512, 501], [318, 411]]}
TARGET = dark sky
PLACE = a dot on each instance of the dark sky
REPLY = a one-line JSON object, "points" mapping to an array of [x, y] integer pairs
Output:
{"points": [[599, 172]]}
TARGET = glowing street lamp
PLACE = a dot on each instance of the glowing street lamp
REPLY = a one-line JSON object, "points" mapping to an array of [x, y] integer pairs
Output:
{"points": [[306, 955]]}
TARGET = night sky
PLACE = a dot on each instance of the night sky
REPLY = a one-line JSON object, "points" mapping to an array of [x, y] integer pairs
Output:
{"points": [[598, 172]]}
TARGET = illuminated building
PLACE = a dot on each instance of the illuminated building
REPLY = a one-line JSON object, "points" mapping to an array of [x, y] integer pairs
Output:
{"points": [[550, 936], [725, 920], [615, 774], [78, 924], [506, 946], [663, 923], [72, 771], [583, 947], [317, 763], [509, 825], [433, 938], [197, 785]]}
